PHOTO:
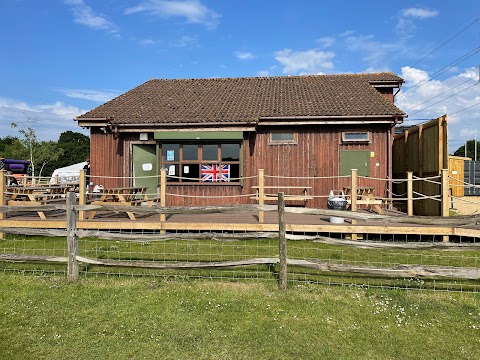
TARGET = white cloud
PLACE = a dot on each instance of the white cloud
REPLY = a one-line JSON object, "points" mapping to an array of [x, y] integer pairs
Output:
{"points": [[50, 120], [326, 41], [84, 15], [147, 42], [414, 76], [185, 41], [192, 10], [456, 96], [91, 95], [419, 13], [244, 55], [406, 25], [263, 73], [305, 62], [375, 53]]}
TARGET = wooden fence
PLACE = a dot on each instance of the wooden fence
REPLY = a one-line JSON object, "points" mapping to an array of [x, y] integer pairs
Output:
{"points": [[423, 151], [282, 261]]}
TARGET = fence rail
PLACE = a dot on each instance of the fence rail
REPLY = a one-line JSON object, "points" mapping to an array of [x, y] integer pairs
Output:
{"points": [[311, 257]]}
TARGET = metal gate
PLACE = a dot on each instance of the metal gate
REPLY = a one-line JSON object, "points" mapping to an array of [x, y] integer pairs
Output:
{"points": [[472, 177]]}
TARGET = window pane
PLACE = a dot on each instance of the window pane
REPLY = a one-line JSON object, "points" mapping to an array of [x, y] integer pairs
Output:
{"points": [[170, 152], [192, 172], [355, 136], [190, 152], [234, 172], [283, 136], [230, 152], [172, 170], [210, 152]]}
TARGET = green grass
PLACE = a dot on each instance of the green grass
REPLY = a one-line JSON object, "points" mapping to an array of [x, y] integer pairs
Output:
{"points": [[119, 318]]}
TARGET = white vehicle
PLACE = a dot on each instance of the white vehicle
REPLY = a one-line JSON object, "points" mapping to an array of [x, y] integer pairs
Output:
{"points": [[68, 174]]}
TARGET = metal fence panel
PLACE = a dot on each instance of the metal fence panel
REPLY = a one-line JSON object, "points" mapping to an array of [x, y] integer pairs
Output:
{"points": [[472, 177]]}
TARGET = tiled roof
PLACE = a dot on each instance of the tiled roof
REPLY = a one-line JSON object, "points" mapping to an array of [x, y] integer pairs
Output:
{"points": [[245, 100]]}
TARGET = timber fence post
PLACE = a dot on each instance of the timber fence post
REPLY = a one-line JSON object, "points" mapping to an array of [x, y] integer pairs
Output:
{"points": [[163, 196], [82, 188], [445, 199], [261, 193], [410, 193], [353, 205], [282, 243], [72, 239], [2, 198]]}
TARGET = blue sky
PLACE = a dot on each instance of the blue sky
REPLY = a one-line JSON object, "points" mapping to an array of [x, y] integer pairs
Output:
{"points": [[60, 58]]}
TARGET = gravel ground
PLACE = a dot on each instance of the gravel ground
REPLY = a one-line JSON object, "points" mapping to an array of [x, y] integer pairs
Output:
{"points": [[467, 205]]}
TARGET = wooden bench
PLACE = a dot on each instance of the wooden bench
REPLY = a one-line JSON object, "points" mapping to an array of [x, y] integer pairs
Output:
{"points": [[35, 195], [303, 196]]}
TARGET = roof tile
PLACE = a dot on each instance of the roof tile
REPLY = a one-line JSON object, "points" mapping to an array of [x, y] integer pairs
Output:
{"points": [[228, 100]]}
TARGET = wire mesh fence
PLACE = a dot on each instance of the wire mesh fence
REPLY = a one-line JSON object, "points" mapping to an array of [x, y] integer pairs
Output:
{"points": [[248, 259]]}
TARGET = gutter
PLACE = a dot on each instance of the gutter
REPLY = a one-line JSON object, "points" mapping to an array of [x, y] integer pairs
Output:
{"points": [[180, 124], [330, 117]]}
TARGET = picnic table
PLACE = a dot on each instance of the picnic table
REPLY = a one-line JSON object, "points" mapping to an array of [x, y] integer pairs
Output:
{"points": [[122, 196], [365, 196], [36, 195]]}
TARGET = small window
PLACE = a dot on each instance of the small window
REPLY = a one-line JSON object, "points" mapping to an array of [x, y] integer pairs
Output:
{"points": [[283, 137], [355, 136]]}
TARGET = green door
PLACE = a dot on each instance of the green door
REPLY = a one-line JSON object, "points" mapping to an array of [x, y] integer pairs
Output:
{"points": [[354, 159], [145, 164]]}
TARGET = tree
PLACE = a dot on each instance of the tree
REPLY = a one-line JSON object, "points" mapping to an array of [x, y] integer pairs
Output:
{"points": [[470, 150], [29, 137], [12, 148], [76, 148], [47, 151]]}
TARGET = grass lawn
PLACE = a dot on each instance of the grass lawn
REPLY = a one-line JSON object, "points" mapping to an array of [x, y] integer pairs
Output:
{"points": [[148, 318]]}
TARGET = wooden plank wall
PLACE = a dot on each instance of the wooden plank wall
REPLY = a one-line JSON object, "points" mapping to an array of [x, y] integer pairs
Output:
{"points": [[456, 171], [316, 154], [422, 150]]}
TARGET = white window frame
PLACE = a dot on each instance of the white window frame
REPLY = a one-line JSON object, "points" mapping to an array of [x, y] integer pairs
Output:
{"points": [[367, 138]]}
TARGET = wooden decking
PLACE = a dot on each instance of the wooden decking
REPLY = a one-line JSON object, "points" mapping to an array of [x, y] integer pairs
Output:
{"points": [[238, 222]]}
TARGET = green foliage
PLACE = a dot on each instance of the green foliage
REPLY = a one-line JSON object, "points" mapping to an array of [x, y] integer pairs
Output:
{"points": [[71, 148], [47, 318], [12, 148], [75, 146], [470, 150], [47, 152]]}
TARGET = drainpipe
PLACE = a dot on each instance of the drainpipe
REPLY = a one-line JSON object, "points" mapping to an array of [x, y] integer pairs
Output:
{"points": [[390, 166]]}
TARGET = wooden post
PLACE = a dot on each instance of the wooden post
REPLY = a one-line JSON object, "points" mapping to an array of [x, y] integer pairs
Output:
{"points": [[81, 194], [56, 179], [72, 240], [3, 200], [354, 186], [353, 205], [282, 243], [163, 195], [445, 199], [410, 193], [261, 193]]}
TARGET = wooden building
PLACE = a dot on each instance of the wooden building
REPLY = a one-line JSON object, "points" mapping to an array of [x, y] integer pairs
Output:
{"points": [[214, 134]]}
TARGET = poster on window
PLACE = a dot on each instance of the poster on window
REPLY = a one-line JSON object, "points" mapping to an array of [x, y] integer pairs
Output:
{"points": [[215, 173], [170, 155]]}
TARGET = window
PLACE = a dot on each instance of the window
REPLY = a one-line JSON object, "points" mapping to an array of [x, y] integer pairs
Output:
{"points": [[283, 137], [355, 136], [201, 163]]}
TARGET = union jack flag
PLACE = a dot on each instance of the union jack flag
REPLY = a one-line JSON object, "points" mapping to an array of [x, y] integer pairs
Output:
{"points": [[216, 173]]}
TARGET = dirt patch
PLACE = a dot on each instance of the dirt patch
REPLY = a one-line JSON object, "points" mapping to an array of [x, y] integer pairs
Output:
{"points": [[467, 205]]}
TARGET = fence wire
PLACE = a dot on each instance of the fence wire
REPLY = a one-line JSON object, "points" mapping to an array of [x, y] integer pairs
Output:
{"points": [[190, 252]]}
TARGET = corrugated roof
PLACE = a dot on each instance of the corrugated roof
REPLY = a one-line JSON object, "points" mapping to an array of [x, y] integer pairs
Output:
{"points": [[232, 100]]}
